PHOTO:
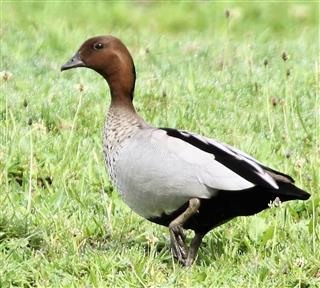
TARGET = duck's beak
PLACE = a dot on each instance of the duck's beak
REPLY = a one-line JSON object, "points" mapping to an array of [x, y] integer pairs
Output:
{"points": [[74, 62]]}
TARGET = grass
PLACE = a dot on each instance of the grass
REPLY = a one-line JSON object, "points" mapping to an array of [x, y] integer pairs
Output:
{"points": [[61, 222]]}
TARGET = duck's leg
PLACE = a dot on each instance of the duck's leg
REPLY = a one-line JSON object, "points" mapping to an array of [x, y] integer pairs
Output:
{"points": [[194, 247], [177, 236]]}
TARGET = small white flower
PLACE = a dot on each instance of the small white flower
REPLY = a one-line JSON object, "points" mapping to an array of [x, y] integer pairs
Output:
{"points": [[80, 87], [5, 75], [275, 203], [40, 126]]}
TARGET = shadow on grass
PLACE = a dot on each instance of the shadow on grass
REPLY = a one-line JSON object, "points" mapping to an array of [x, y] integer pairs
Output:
{"points": [[15, 229]]}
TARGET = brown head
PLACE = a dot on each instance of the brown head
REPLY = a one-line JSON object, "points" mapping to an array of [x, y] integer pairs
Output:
{"points": [[109, 57]]}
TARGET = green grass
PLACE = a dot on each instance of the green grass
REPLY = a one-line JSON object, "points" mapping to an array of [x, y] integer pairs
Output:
{"points": [[61, 222]]}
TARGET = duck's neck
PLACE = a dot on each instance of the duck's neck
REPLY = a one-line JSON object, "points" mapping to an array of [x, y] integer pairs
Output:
{"points": [[121, 100], [122, 120], [121, 84]]}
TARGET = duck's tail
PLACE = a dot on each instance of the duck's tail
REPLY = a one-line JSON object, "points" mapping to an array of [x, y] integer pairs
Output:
{"points": [[288, 191]]}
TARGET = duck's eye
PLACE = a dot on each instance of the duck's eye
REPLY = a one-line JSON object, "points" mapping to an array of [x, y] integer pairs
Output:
{"points": [[98, 46]]}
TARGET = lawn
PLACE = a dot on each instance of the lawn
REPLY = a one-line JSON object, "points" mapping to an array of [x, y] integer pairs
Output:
{"points": [[244, 73]]}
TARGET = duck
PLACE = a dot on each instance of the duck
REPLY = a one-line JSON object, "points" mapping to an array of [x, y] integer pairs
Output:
{"points": [[172, 177]]}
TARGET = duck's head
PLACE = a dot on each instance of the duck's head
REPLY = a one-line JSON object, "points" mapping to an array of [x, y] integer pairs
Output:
{"points": [[108, 56]]}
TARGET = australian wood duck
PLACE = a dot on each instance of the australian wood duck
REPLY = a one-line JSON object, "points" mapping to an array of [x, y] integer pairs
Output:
{"points": [[175, 178]]}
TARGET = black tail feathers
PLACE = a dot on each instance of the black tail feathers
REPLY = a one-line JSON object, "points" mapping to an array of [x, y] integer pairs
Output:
{"points": [[288, 191]]}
